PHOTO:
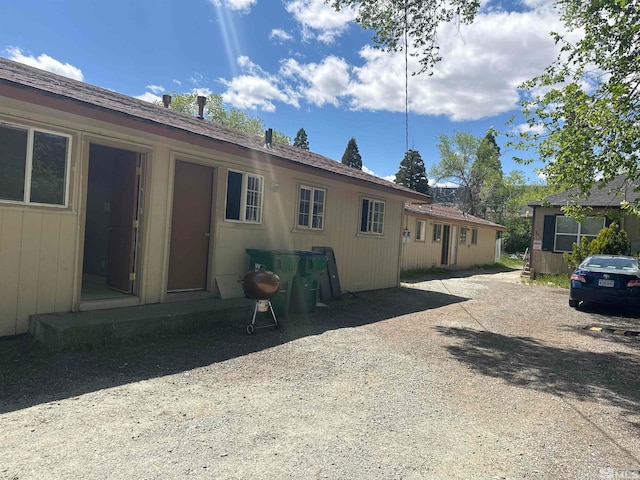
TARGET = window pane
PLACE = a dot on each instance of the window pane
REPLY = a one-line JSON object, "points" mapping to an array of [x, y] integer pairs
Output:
{"points": [[591, 226], [564, 243], [318, 209], [13, 157], [566, 225], [418, 229], [437, 232], [234, 195], [254, 199], [474, 236], [48, 170]]}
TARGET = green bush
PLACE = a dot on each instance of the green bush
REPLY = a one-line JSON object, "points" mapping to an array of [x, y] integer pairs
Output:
{"points": [[610, 241]]}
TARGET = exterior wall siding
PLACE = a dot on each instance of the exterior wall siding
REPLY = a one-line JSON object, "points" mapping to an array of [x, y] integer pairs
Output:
{"points": [[41, 248], [427, 253], [552, 262]]}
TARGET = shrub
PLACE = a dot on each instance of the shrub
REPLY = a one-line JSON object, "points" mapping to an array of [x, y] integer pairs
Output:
{"points": [[610, 241]]}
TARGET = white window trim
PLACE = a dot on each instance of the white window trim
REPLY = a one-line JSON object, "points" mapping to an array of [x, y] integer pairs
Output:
{"points": [[311, 205], [29, 162], [421, 230], [372, 202], [243, 197], [577, 235], [463, 235], [439, 239]]}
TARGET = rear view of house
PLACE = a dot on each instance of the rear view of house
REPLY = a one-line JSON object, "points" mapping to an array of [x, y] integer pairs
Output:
{"points": [[107, 201]]}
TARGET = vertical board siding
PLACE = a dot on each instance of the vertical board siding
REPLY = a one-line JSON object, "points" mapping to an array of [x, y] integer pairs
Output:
{"points": [[49, 255], [10, 253], [29, 269], [37, 258], [427, 254]]}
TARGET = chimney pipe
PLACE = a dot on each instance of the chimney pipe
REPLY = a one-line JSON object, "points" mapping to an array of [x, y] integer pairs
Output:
{"points": [[268, 138], [166, 100], [201, 101]]}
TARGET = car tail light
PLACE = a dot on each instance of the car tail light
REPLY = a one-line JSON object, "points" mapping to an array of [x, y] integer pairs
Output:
{"points": [[633, 283], [577, 277]]}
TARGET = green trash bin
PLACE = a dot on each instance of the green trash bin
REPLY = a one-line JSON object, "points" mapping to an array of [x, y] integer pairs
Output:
{"points": [[283, 263], [305, 283]]}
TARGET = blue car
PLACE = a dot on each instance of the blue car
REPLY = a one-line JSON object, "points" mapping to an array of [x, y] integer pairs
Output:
{"points": [[612, 279]]}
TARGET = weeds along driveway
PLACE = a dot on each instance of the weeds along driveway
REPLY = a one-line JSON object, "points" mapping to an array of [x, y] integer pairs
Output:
{"points": [[472, 376]]}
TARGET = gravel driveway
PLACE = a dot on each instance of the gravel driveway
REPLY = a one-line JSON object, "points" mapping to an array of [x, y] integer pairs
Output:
{"points": [[474, 376]]}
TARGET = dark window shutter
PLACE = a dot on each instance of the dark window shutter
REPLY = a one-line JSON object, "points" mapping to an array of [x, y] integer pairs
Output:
{"points": [[548, 233], [607, 221], [364, 216], [234, 193]]}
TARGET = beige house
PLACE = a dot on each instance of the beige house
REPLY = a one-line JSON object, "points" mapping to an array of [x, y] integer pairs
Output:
{"points": [[107, 201], [553, 233], [440, 236]]}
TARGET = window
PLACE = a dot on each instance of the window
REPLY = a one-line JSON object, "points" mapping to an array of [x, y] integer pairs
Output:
{"points": [[311, 208], [463, 235], [244, 197], [568, 231], [372, 216], [437, 232], [34, 166], [474, 236], [420, 228]]}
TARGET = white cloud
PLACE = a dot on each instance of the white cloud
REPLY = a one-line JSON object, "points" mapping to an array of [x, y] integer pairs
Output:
{"points": [[319, 20], [177, 82], [156, 88], [237, 5], [279, 35], [45, 62], [149, 97], [320, 83], [483, 65]]}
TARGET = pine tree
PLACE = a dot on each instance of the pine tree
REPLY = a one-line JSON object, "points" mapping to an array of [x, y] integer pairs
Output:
{"points": [[351, 155], [412, 173], [301, 140]]}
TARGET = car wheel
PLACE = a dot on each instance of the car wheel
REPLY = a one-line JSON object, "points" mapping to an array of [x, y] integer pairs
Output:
{"points": [[574, 303]]}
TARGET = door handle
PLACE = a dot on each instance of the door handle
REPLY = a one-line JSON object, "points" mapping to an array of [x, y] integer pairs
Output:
{"points": [[207, 234]]}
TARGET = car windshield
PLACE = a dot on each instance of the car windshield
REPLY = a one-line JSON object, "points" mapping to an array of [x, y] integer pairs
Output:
{"points": [[616, 264]]}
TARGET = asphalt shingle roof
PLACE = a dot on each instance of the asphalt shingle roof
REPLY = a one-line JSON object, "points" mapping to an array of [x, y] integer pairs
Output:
{"points": [[600, 195], [443, 212], [22, 76]]}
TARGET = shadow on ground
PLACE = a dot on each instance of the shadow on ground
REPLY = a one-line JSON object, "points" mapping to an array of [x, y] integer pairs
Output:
{"points": [[612, 377], [29, 375]]}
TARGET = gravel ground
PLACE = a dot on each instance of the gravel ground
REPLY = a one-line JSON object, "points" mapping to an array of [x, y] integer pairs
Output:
{"points": [[473, 376]]}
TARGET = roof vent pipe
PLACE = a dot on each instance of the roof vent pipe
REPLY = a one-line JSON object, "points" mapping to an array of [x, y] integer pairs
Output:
{"points": [[268, 138], [201, 101], [166, 100]]}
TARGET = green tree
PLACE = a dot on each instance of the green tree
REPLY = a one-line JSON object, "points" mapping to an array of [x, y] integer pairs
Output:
{"points": [[486, 177], [301, 140], [420, 19], [412, 173], [351, 155], [584, 123], [472, 163], [215, 111]]}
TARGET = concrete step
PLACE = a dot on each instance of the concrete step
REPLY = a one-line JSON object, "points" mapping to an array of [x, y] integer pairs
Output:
{"points": [[90, 329]]}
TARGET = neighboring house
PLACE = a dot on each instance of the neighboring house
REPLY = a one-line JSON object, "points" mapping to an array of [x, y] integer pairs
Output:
{"points": [[553, 233], [440, 236], [107, 201]]}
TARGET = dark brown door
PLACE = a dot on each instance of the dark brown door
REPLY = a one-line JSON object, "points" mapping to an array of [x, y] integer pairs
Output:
{"points": [[123, 221], [190, 227], [446, 233]]}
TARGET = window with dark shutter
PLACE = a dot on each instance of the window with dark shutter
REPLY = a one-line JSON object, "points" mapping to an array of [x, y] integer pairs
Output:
{"points": [[548, 233]]}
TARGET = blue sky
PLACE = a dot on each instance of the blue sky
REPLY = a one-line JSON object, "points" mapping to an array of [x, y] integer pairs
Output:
{"points": [[296, 63]]}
